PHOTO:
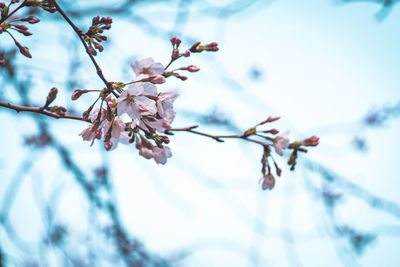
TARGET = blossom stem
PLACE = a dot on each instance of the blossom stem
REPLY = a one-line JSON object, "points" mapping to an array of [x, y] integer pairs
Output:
{"points": [[169, 64], [218, 138], [40, 110]]}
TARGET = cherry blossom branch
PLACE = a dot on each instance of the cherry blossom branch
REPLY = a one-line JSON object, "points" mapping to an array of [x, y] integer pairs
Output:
{"points": [[79, 33], [13, 12], [41, 110], [217, 138]]}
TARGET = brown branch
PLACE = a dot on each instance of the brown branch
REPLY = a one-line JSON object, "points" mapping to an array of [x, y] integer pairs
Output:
{"points": [[79, 33], [217, 138], [40, 110]]}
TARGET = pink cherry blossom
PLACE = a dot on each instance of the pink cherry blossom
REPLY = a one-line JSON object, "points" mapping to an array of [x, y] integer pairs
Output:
{"points": [[161, 154], [135, 102], [146, 68], [268, 182], [89, 134], [281, 142]]}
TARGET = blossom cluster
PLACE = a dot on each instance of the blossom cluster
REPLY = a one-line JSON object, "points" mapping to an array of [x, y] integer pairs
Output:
{"points": [[139, 114], [136, 112]]}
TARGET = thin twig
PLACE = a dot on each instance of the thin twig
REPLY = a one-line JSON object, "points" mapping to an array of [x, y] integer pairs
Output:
{"points": [[217, 138], [40, 110]]}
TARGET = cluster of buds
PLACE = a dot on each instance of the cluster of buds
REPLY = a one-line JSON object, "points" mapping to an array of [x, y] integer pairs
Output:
{"points": [[280, 143], [7, 26], [50, 99], [93, 37], [176, 54], [197, 47], [150, 113], [44, 4]]}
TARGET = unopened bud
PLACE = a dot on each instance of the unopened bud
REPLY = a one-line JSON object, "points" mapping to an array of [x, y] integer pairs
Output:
{"points": [[108, 145], [51, 96], [312, 141], [98, 134], [98, 46], [175, 54], [193, 68], [187, 53], [272, 131], [95, 20], [77, 93], [58, 109], [250, 132], [31, 20], [2, 4], [194, 48], [86, 114], [24, 50], [157, 79]]}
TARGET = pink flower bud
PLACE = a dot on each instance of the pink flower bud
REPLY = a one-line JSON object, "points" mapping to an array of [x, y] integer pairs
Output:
{"points": [[98, 134], [187, 53], [31, 20], [96, 20], [24, 50], [175, 54], [51, 96], [157, 79], [77, 93], [108, 145], [21, 27], [173, 40], [193, 68], [312, 141]]}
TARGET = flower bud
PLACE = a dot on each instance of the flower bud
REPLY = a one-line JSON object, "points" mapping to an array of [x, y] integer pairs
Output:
{"points": [[24, 50], [98, 46], [2, 4], [51, 96], [195, 48], [187, 53], [157, 79], [108, 145], [31, 20], [98, 134], [250, 131], [86, 114], [77, 93], [175, 54], [95, 20], [312, 141], [193, 68]]}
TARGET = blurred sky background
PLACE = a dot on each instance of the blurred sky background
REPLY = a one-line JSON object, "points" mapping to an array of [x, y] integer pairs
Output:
{"points": [[323, 66]]}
